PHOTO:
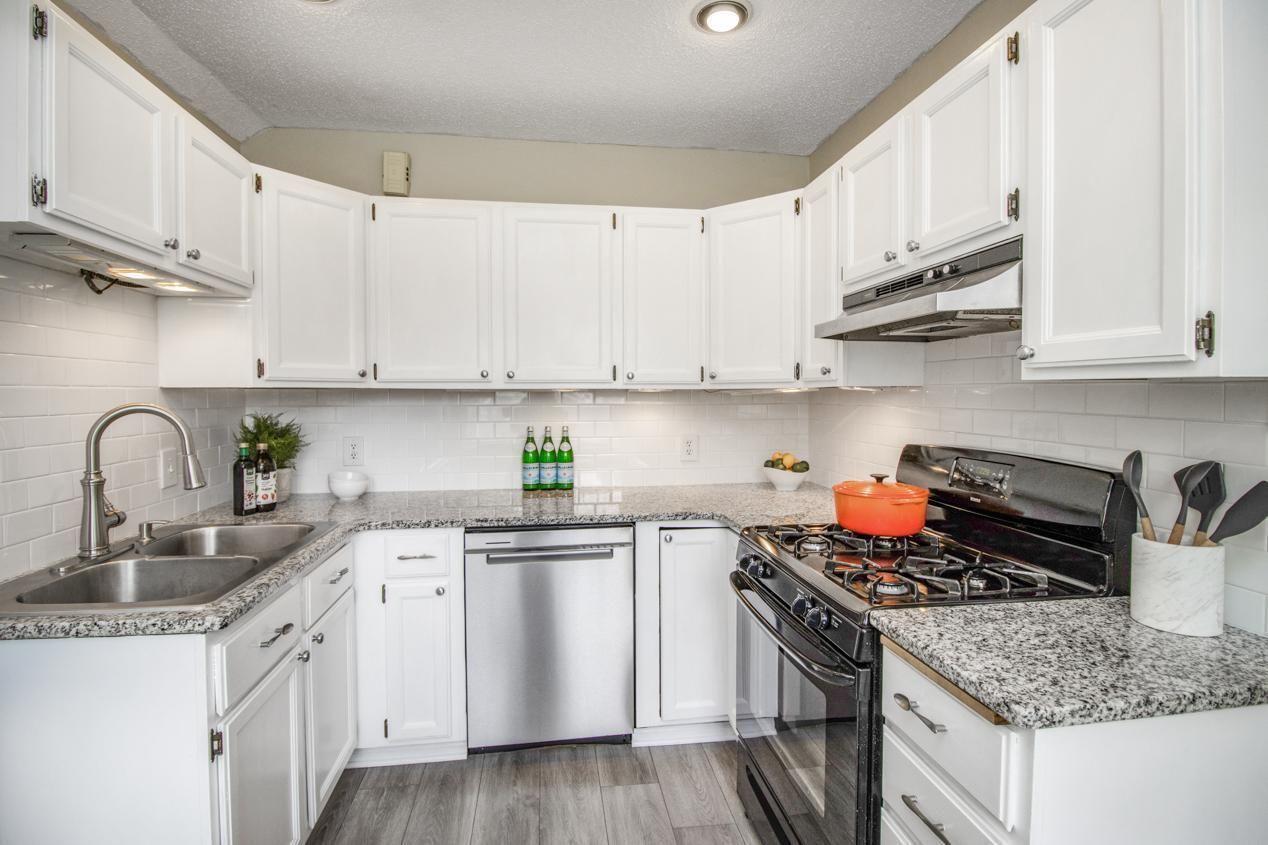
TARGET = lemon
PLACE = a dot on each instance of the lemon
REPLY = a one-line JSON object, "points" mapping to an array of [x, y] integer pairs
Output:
{"points": [[788, 461]]}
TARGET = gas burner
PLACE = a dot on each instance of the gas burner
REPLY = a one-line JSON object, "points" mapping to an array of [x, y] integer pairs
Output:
{"points": [[814, 544], [885, 587]]}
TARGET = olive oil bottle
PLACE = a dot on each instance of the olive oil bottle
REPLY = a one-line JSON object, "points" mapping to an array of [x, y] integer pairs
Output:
{"points": [[265, 479], [243, 482]]}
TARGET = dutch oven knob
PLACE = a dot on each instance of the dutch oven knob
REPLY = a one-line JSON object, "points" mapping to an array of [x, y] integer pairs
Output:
{"points": [[880, 477]]}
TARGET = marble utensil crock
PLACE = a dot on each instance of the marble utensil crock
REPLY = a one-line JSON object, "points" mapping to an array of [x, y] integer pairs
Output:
{"points": [[1179, 589]]}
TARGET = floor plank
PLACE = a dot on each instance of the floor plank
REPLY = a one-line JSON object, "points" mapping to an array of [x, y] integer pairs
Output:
{"points": [[691, 790], [721, 834], [445, 804], [381, 777], [722, 758], [624, 765], [336, 810], [508, 807], [636, 815], [377, 816], [571, 803]]}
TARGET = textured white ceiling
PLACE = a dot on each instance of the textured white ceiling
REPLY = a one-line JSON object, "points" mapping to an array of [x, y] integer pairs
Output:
{"points": [[598, 71]]}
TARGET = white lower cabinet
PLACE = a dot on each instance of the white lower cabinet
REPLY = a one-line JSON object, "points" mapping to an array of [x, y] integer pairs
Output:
{"points": [[417, 623], [330, 688]]}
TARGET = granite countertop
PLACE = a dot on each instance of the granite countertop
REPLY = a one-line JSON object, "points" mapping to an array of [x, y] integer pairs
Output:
{"points": [[1047, 664], [737, 505]]}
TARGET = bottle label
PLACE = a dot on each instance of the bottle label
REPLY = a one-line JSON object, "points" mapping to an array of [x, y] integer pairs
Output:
{"points": [[548, 475], [266, 489], [248, 489], [532, 474], [564, 474]]}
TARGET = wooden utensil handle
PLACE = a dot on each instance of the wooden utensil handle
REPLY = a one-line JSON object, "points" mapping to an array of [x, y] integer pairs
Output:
{"points": [[1202, 539], [1177, 533], [1147, 529]]}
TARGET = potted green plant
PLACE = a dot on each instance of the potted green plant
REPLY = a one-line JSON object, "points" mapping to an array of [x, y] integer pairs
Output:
{"points": [[285, 439]]}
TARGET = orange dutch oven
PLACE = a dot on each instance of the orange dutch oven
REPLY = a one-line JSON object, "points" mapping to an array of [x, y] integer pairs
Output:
{"points": [[885, 510]]}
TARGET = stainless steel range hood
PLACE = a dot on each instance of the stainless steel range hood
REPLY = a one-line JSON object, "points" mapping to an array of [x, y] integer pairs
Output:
{"points": [[978, 293]]}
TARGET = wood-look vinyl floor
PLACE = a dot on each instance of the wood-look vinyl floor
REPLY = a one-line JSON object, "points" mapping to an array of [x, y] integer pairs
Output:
{"points": [[575, 794]]}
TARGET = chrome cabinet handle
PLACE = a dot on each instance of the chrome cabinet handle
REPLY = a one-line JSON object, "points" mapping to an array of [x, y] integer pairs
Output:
{"points": [[936, 827], [338, 576], [910, 706], [416, 557], [825, 371], [278, 633], [484, 374], [510, 374], [193, 254], [304, 656], [319, 638], [912, 246], [1025, 353], [172, 243], [440, 591]]}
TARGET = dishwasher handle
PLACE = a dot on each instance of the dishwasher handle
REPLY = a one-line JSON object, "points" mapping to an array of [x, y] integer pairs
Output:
{"points": [[552, 555]]}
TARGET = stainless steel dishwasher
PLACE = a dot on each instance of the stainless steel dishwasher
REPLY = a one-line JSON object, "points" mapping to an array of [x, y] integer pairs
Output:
{"points": [[550, 635]]}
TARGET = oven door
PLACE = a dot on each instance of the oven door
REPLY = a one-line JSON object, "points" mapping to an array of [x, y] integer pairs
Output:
{"points": [[804, 720]]}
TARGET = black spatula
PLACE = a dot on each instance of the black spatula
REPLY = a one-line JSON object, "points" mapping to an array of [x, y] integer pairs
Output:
{"points": [[1247, 512], [1207, 496], [1187, 480], [1133, 467]]}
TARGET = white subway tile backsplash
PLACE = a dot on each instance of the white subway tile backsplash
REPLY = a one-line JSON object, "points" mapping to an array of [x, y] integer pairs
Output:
{"points": [[1245, 609], [1199, 400], [1240, 442], [1150, 435], [1114, 397]]}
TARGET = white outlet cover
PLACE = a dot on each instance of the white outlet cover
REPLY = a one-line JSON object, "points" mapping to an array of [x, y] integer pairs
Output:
{"points": [[689, 447], [169, 474], [354, 451]]}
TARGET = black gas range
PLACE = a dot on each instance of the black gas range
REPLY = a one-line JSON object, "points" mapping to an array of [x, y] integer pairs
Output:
{"points": [[999, 527]]}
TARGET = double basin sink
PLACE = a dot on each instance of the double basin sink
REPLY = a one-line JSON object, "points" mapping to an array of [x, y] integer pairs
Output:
{"points": [[189, 565]]}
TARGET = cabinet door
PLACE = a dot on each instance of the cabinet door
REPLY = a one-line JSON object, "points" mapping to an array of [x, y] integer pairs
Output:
{"points": [[662, 285], [753, 292], [214, 205], [331, 724], [431, 284], [1111, 245], [873, 203], [695, 640], [108, 140], [262, 770], [312, 280], [558, 295], [959, 153], [419, 642], [820, 288]]}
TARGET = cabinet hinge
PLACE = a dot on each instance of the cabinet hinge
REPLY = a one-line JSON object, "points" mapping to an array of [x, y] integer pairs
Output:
{"points": [[217, 744], [1014, 204], [383, 593], [797, 371], [796, 205], [702, 373], [614, 220], [374, 211], [702, 225], [39, 191], [39, 23], [1014, 48], [614, 372], [1204, 334], [385, 728], [259, 183], [376, 370], [259, 368]]}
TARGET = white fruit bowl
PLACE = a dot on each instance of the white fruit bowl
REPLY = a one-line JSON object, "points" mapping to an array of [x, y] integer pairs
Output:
{"points": [[348, 485], [784, 480]]}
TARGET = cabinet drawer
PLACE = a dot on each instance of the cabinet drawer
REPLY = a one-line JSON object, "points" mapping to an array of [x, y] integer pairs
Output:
{"points": [[409, 554], [977, 754], [244, 658], [921, 801], [325, 584]]}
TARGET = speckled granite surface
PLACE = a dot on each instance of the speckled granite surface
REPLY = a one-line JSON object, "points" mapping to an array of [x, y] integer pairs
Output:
{"points": [[737, 505], [1054, 663]]}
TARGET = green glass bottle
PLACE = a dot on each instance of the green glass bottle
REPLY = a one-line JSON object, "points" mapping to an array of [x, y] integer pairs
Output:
{"points": [[549, 478], [564, 473], [531, 468]]}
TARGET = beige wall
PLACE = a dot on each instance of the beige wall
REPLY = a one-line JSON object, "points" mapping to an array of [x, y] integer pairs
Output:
{"points": [[969, 34], [451, 167]]}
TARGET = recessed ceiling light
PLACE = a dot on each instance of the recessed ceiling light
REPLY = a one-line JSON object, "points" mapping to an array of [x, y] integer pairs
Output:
{"points": [[723, 16]]}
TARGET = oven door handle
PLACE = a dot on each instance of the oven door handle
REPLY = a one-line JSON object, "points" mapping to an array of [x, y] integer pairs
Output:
{"points": [[741, 584]]}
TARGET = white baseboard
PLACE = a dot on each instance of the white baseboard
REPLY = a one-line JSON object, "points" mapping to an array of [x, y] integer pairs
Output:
{"points": [[683, 734], [402, 755]]}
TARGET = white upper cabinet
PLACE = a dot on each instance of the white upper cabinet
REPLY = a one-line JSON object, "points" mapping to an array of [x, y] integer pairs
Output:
{"points": [[312, 280], [431, 284], [662, 288], [213, 204], [753, 292], [820, 288], [873, 204], [558, 295], [1111, 256], [959, 130], [108, 140]]}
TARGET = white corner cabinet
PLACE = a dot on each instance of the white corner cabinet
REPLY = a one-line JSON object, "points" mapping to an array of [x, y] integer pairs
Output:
{"points": [[94, 152], [411, 679], [234, 738]]}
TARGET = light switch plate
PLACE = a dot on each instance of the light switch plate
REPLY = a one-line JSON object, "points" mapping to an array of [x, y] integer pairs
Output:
{"points": [[169, 471], [354, 451]]}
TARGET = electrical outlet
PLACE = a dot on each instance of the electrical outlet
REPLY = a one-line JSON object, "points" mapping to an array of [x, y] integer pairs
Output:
{"points": [[354, 451], [168, 470], [689, 447]]}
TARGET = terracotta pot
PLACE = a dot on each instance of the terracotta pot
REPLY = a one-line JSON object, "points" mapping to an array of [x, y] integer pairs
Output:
{"points": [[884, 510]]}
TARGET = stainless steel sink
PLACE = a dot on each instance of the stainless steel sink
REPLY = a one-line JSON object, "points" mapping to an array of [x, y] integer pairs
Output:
{"points": [[189, 565]]}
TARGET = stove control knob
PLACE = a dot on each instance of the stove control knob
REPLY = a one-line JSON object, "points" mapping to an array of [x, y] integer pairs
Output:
{"points": [[801, 605], [755, 566], [819, 618]]}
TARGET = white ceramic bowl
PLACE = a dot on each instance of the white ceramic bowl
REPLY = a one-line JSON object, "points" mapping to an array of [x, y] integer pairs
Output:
{"points": [[348, 485], [785, 480]]}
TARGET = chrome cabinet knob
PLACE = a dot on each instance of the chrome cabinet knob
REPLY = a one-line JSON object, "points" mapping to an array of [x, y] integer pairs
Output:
{"points": [[510, 374], [712, 374], [629, 376], [484, 374], [890, 255], [193, 254], [440, 591], [361, 373], [912, 246], [304, 656], [825, 371], [1025, 353], [319, 638], [172, 243], [669, 538]]}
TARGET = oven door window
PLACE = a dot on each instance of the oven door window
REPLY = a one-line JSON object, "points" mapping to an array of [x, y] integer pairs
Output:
{"points": [[802, 715]]}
